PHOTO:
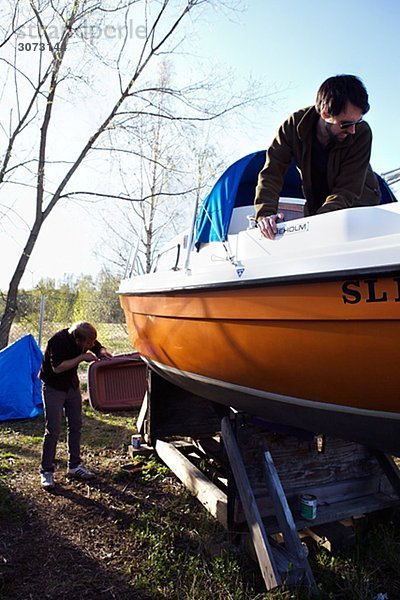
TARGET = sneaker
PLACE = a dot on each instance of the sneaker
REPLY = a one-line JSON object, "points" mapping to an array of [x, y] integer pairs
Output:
{"points": [[80, 472], [47, 480]]}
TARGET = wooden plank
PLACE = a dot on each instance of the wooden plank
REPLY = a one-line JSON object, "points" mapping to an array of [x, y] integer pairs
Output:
{"points": [[332, 536], [353, 487], [390, 469], [209, 447], [263, 550], [341, 510], [142, 418], [212, 498], [327, 495], [297, 460], [344, 471], [284, 561], [144, 450], [209, 467], [285, 518]]}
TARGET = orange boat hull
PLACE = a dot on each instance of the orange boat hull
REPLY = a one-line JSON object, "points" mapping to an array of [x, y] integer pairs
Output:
{"points": [[284, 352]]}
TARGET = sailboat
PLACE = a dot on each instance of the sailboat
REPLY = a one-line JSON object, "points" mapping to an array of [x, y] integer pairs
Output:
{"points": [[302, 331]]}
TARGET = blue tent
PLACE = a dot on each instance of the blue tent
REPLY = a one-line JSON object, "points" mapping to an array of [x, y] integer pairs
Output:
{"points": [[20, 388], [236, 187]]}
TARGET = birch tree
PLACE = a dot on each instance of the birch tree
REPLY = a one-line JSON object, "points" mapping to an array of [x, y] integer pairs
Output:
{"points": [[175, 163]]}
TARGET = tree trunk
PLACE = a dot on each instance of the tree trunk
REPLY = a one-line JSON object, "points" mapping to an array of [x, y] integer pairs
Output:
{"points": [[10, 310]]}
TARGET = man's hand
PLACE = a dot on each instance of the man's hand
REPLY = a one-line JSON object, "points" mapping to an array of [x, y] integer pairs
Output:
{"points": [[71, 363], [267, 225], [105, 354], [88, 356]]}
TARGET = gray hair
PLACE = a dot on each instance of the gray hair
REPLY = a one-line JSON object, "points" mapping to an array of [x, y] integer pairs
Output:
{"points": [[83, 331]]}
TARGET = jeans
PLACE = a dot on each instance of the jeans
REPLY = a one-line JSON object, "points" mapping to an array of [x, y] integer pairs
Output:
{"points": [[55, 401]]}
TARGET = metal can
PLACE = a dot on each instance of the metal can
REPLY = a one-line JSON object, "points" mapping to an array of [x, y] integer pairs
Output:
{"points": [[135, 441], [308, 507]]}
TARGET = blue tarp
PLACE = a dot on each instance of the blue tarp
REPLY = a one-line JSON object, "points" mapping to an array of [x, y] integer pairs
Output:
{"points": [[20, 388], [216, 210], [236, 187]]}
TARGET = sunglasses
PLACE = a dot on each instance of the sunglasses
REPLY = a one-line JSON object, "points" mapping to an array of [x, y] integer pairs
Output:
{"points": [[346, 124]]}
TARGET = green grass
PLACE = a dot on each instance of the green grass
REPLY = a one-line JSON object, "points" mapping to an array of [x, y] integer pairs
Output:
{"points": [[371, 567]]}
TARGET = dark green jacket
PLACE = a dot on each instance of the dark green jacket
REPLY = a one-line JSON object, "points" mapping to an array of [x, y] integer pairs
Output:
{"points": [[351, 181]]}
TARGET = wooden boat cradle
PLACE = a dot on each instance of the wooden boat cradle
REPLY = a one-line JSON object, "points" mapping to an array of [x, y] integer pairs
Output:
{"points": [[255, 477]]}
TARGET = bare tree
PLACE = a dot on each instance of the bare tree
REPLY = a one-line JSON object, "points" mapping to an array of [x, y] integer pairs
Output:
{"points": [[65, 54], [170, 174], [158, 169]]}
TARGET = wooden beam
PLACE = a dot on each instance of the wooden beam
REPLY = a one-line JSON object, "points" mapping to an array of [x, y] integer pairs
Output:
{"points": [[390, 469], [143, 416], [262, 547], [212, 498], [285, 518], [332, 536]]}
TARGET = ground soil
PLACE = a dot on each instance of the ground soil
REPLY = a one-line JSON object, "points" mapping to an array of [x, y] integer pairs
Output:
{"points": [[77, 541], [142, 536]]}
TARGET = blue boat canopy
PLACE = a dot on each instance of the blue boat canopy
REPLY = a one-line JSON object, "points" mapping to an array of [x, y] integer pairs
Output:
{"points": [[236, 187]]}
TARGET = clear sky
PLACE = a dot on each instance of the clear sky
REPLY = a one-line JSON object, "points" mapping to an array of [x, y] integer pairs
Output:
{"points": [[288, 45], [297, 45]]}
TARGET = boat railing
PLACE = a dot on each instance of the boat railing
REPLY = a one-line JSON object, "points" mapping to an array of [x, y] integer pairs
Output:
{"points": [[174, 252], [130, 263]]}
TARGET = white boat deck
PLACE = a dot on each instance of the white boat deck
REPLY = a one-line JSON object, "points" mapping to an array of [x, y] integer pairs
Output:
{"points": [[342, 241]]}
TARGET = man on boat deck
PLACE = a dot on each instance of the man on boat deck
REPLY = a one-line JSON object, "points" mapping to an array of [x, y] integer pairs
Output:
{"points": [[331, 146]]}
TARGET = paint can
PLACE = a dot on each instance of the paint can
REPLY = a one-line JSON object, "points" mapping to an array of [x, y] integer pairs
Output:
{"points": [[135, 441], [308, 507]]}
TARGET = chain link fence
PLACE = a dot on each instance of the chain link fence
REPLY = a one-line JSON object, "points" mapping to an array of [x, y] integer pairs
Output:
{"points": [[44, 315]]}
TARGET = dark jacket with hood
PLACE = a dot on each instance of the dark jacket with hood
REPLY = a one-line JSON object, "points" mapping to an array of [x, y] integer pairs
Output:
{"points": [[350, 179]]}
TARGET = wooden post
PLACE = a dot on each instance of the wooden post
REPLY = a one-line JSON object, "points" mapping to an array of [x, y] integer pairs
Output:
{"points": [[142, 420], [262, 547], [285, 518], [212, 498], [390, 469]]}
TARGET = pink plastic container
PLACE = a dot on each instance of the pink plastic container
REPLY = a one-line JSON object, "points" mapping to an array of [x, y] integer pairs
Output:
{"points": [[117, 384]]}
